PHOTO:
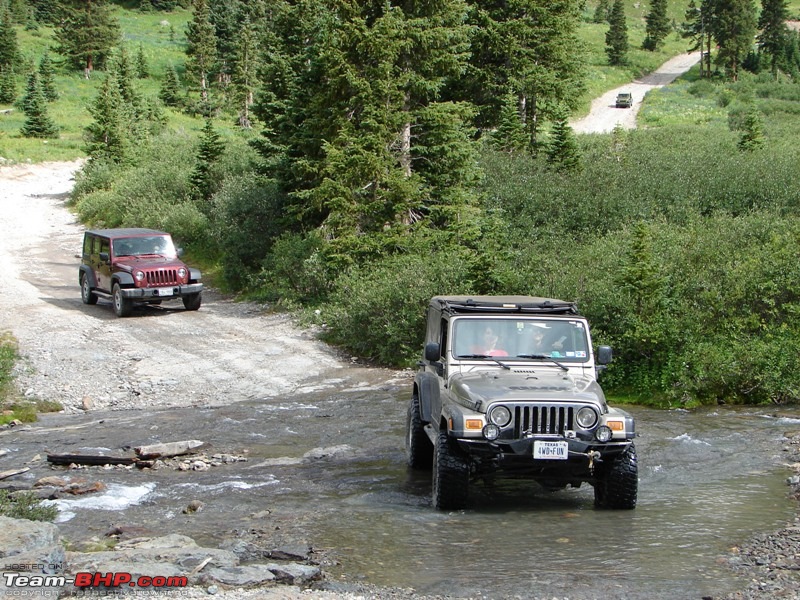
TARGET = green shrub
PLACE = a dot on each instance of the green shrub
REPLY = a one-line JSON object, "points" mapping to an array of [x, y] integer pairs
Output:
{"points": [[8, 357], [377, 311], [294, 271], [94, 175], [25, 505], [248, 216]]}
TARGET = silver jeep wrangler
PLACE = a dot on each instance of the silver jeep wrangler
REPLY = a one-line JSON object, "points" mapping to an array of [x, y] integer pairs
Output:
{"points": [[509, 383]]}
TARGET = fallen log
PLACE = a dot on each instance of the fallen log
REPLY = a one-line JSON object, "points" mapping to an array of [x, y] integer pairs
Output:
{"points": [[7, 474], [89, 459], [169, 449]]}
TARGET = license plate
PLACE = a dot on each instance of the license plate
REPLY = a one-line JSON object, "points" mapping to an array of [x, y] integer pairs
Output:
{"points": [[550, 450], [166, 291]]}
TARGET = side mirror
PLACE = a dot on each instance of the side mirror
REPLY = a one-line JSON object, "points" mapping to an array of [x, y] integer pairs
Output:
{"points": [[432, 352], [179, 252], [104, 256], [604, 355]]}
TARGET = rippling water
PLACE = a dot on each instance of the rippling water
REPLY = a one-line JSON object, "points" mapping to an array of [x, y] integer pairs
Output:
{"points": [[328, 468]]}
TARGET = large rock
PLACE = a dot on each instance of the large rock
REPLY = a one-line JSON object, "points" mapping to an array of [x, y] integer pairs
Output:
{"points": [[24, 542], [30, 548]]}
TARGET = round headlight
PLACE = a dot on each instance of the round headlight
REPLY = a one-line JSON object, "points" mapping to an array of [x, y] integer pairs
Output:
{"points": [[181, 272], [491, 432], [586, 418], [603, 433], [500, 416], [139, 275]]}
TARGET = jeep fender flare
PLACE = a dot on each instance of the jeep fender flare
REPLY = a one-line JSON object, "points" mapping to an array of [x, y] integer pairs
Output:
{"points": [[123, 279], [195, 275], [89, 273], [427, 386]]}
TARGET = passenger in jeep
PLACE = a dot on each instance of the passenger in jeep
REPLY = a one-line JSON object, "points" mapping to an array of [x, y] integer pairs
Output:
{"points": [[489, 344], [538, 340]]}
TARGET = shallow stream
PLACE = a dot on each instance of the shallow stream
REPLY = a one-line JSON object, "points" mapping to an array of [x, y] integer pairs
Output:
{"points": [[326, 468]]}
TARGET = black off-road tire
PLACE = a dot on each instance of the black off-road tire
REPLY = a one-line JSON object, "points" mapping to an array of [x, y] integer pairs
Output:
{"points": [[122, 306], [419, 450], [618, 483], [87, 295], [192, 301], [450, 475]]}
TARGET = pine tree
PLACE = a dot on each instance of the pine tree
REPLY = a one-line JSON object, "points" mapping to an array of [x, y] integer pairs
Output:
{"points": [[753, 132], [602, 12], [773, 35], [170, 93], [658, 25], [9, 48], [694, 29], [201, 48], [32, 88], [8, 85], [791, 54], [510, 133], [47, 77], [37, 122], [617, 35], [225, 18], [244, 78], [87, 33], [18, 9], [45, 11], [563, 153], [734, 26], [530, 46], [107, 136], [142, 68], [124, 72], [201, 179], [357, 133]]}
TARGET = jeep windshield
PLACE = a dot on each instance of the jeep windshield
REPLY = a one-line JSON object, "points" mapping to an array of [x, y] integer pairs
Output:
{"points": [[526, 338], [151, 245]]}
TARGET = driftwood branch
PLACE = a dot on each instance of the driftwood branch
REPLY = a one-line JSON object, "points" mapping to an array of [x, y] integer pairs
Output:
{"points": [[169, 449], [88, 459], [7, 474]]}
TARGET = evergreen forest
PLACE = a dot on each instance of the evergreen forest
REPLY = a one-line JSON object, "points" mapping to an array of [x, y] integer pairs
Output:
{"points": [[347, 160]]}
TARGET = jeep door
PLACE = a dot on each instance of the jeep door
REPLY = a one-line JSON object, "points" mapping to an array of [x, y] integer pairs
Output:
{"points": [[443, 371], [102, 265]]}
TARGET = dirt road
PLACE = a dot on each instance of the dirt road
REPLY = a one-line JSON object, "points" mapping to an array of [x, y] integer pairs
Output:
{"points": [[86, 358], [604, 115]]}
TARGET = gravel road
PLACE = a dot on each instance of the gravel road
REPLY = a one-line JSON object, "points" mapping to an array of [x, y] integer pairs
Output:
{"points": [[86, 358], [604, 116]]}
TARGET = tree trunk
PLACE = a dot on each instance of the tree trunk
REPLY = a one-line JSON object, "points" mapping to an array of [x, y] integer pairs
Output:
{"points": [[405, 140]]}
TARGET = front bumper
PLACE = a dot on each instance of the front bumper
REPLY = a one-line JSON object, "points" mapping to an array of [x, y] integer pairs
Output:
{"points": [[522, 450], [162, 293]]}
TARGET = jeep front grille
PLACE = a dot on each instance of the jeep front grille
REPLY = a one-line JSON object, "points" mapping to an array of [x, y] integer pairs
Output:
{"points": [[538, 420], [161, 277]]}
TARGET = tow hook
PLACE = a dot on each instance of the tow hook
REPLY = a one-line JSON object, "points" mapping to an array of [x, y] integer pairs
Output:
{"points": [[592, 455]]}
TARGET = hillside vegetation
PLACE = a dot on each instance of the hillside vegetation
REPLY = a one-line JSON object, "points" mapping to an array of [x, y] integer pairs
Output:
{"points": [[678, 240]]}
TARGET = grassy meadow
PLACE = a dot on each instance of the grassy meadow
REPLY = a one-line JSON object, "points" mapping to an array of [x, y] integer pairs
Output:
{"points": [[76, 93]]}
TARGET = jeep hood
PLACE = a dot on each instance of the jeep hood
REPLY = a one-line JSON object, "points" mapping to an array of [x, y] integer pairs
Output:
{"points": [[148, 262], [477, 390]]}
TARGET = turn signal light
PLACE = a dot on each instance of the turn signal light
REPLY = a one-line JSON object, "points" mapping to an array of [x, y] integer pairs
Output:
{"points": [[474, 424], [616, 425]]}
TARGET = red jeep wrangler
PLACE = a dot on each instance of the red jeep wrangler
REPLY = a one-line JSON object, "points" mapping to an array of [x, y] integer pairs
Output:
{"points": [[135, 266]]}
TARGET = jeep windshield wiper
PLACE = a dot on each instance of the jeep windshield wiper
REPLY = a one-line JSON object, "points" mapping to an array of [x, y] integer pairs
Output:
{"points": [[505, 366], [543, 357]]}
